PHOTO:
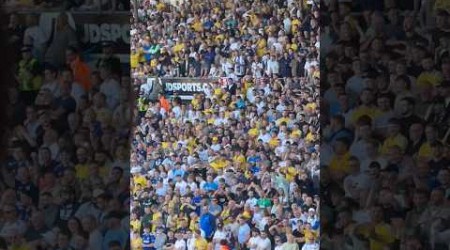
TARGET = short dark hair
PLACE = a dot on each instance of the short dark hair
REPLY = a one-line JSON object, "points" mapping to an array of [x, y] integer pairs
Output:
{"points": [[339, 118], [410, 100], [404, 78], [114, 243]]}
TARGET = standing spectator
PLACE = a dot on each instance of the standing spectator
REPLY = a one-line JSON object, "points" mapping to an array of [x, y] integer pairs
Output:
{"points": [[29, 75], [63, 37]]}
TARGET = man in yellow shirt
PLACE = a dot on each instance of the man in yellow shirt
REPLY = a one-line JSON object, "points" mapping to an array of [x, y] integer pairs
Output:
{"points": [[339, 164], [274, 140], [82, 168], [379, 233], [134, 58], [200, 243], [425, 151], [394, 138]]}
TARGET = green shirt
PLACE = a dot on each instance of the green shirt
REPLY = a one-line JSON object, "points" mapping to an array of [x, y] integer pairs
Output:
{"points": [[264, 203]]}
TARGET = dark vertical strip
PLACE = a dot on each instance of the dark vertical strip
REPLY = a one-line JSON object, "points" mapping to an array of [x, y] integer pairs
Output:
{"points": [[385, 177]]}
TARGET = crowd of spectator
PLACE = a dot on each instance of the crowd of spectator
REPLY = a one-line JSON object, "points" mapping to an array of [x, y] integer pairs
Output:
{"points": [[385, 177], [64, 180], [232, 39], [236, 167]]}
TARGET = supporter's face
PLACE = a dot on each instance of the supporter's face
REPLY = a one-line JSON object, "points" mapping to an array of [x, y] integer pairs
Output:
{"points": [[444, 177], [340, 148], [65, 88], [393, 129], [415, 131], [366, 97], [87, 224], [437, 151], [365, 131], [427, 63], [445, 68], [395, 154], [384, 104], [420, 199], [430, 133], [418, 54], [405, 107], [400, 69], [436, 197], [48, 75], [9, 212], [63, 241], [376, 214], [26, 55], [81, 155], [344, 31], [104, 73], [356, 66], [70, 56], [72, 225]]}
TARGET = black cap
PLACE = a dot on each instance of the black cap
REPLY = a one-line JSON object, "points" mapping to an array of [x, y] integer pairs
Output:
{"points": [[374, 164], [25, 49]]}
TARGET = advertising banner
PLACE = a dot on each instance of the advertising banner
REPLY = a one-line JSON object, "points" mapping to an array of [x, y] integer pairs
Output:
{"points": [[93, 28], [97, 28], [185, 88]]}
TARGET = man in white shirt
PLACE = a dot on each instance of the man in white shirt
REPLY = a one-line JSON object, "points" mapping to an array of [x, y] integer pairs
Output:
{"points": [[287, 24], [264, 135], [251, 201], [234, 45], [263, 242], [257, 67], [251, 94], [272, 67], [226, 66], [181, 185], [239, 64], [177, 111], [77, 91], [191, 241], [110, 87], [310, 244], [219, 235], [214, 71], [252, 242], [35, 37], [180, 244], [216, 145], [356, 181], [51, 82], [147, 87]]}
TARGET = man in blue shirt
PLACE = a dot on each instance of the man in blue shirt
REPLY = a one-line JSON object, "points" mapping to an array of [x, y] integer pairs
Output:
{"points": [[148, 240], [210, 185], [207, 223], [115, 231], [243, 232]]}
